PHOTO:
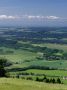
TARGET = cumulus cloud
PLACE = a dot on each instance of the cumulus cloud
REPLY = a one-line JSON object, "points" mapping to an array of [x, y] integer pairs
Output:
{"points": [[7, 17]]}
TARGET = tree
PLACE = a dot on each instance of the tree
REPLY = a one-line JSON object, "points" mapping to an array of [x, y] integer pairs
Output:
{"points": [[37, 79], [47, 80], [2, 69], [53, 80], [65, 56], [2, 72], [5, 62], [58, 80], [44, 77], [17, 76]]}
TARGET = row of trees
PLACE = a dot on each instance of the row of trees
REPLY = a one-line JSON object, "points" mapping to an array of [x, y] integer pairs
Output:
{"points": [[44, 79], [47, 80]]}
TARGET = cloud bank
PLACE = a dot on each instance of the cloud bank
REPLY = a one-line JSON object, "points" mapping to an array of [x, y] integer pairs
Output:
{"points": [[3, 17], [52, 17], [30, 17], [41, 17]]}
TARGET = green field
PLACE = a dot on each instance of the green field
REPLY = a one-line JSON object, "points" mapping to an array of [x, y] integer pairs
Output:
{"points": [[26, 58], [33, 58], [18, 55], [60, 73], [56, 46], [60, 64], [18, 84], [52, 64], [51, 73]]}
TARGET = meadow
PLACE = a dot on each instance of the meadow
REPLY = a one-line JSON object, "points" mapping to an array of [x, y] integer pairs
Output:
{"points": [[19, 84]]}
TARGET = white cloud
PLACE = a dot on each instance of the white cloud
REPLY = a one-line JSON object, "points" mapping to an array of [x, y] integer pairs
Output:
{"points": [[30, 17], [40, 17], [34, 17], [8, 17], [52, 17]]}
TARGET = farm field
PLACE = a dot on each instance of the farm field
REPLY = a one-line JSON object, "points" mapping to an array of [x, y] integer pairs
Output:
{"points": [[16, 84], [33, 54], [51, 73], [43, 63], [60, 73], [57, 46], [17, 55]]}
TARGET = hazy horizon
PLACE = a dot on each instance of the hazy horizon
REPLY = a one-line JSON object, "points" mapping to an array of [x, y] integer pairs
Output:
{"points": [[46, 13]]}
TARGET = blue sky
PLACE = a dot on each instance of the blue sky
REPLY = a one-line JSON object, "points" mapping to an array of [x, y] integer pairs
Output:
{"points": [[33, 12]]}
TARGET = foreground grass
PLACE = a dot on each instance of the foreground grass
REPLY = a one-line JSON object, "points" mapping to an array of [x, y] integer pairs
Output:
{"points": [[18, 84]]}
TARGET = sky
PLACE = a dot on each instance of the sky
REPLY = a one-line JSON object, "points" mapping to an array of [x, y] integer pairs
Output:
{"points": [[33, 12]]}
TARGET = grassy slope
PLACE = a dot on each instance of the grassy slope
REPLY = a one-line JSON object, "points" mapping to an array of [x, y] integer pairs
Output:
{"points": [[18, 55], [18, 84], [52, 64], [48, 72], [22, 56], [55, 46]]}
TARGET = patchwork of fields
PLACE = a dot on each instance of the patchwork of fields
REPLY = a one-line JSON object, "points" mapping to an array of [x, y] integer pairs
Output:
{"points": [[34, 53]]}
